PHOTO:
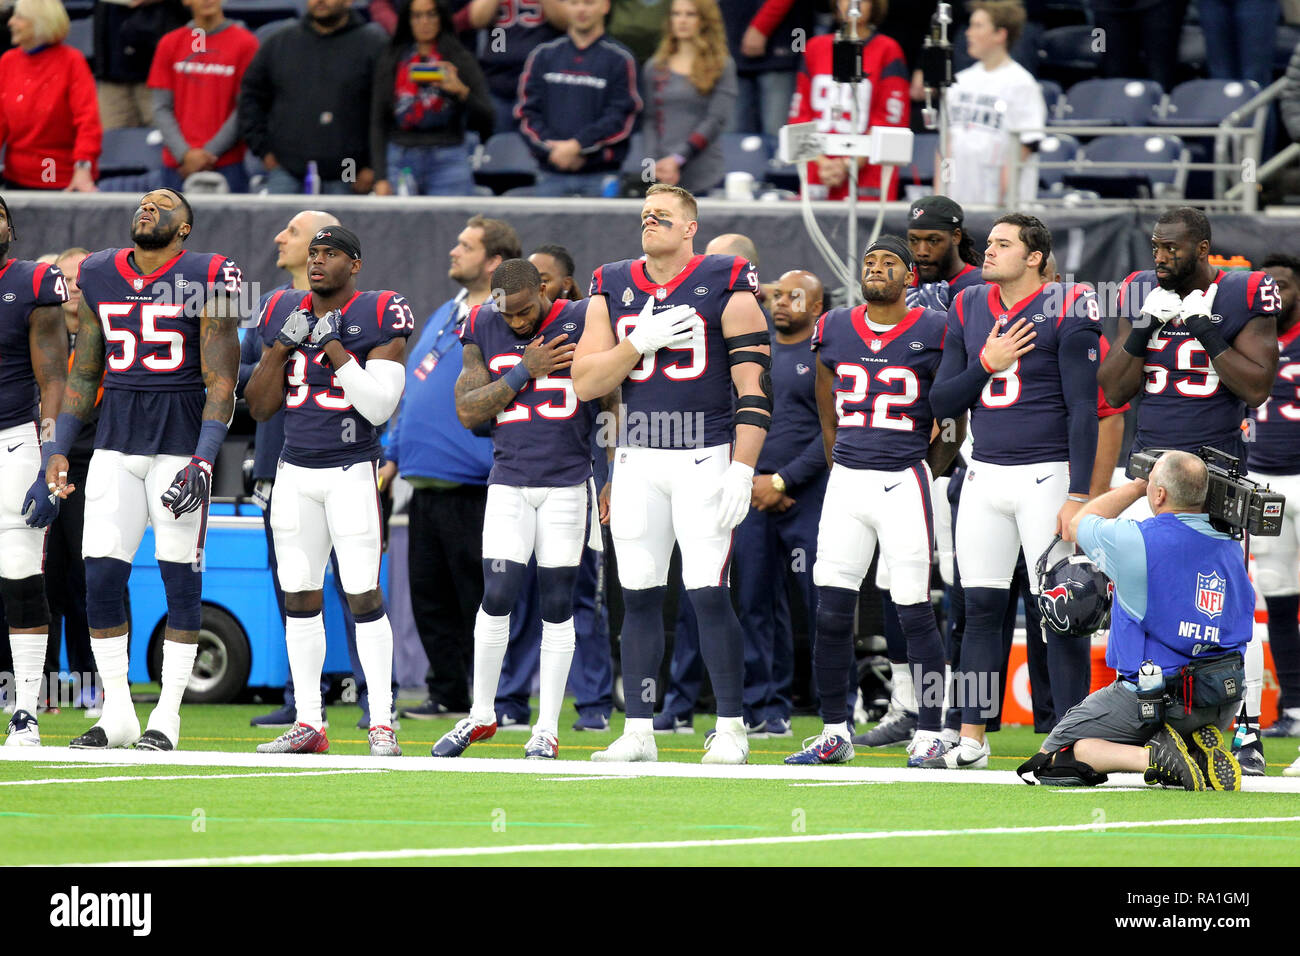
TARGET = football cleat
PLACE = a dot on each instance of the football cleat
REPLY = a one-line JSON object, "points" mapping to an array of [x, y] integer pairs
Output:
{"points": [[542, 745], [457, 740], [592, 721], [1286, 725], [629, 748], [154, 740], [926, 745], [778, 727], [1214, 758], [433, 710], [757, 730], [1169, 763], [23, 730], [1248, 750], [825, 748], [120, 732], [969, 754], [383, 742], [298, 739], [509, 722], [890, 732], [282, 716], [667, 723], [726, 747], [1293, 770]]}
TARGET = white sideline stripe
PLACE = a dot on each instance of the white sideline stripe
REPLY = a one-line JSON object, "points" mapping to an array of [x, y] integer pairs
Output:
{"points": [[580, 779], [183, 776], [834, 783], [442, 852], [564, 768]]}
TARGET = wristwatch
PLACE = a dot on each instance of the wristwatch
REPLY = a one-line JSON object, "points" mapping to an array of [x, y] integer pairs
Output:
{"points": [[82, 164], [778, 483]]}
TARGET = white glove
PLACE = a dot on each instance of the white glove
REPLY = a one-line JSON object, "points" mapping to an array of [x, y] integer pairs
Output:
{"points": [[671, 328], [1162, 305], [735, 492], [297, 325], [1197, 302]]}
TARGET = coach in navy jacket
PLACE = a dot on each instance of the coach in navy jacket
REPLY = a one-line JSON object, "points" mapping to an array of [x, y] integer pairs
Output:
{"points": [[578, 103]]}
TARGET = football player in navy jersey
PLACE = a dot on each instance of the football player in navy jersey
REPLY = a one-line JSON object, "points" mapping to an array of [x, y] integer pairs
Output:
{"points": [[517, 352], [1021, 355], [159, 325], [875, 365], [678, 331], [945, 256], [333, 360], [1201, 345], [34, 343]]}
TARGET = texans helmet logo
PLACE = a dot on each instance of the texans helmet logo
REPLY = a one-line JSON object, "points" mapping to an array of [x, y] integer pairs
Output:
{"points": [[1052, 603]]}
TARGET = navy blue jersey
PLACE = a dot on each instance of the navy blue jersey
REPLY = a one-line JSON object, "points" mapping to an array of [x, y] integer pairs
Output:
{"points": [[1184, 405], [939, 295], [794, 445], [543, 438], [882, 385], [321, 428], [1276, 446], [693, 383], [1020, 417], [23, 286], [517, 28], [153, 373]]}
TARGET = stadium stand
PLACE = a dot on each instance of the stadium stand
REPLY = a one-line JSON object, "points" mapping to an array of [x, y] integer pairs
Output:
{"points": [[1167, 182], [1110, 102], [131, 159], [505, 162], [1204, 102]]}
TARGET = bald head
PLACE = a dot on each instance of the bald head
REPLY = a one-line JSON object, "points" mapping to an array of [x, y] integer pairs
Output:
{"points": [[1178, 482], [294, 238], [733, 244], [796, 301]]}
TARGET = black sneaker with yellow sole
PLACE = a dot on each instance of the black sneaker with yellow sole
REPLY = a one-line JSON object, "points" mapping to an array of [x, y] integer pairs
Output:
{"points": [[1214, 757], [1169, 763]]}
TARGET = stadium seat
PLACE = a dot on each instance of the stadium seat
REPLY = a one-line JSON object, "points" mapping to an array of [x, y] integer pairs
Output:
{"points": [[1052, 94], [1284, 44], [1205, 102], [921, 169], [506, 162], [130, 151], [748, 153], [1055, 148], [1169, 181], [81, 36], [1111, 103], [1069, 51]]}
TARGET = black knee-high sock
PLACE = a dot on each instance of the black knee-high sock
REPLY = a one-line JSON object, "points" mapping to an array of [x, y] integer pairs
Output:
{"points": [[1069, 662], [833, 652], [641, 647], [981, 653], [1284, 641], [722, 645], [925, 660], [895, 639]]}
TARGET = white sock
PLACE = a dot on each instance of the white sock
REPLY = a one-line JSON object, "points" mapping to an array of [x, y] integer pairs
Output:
{"points": [[491, 638], [1293, 713], [904, 688], [111, 661], [947, 688], [837, 730], [971, 743], [29, 660], [177, 665], [1254, 678], [558, 641], [375, 648], [735, 725], [305, 639], [639, 725]]}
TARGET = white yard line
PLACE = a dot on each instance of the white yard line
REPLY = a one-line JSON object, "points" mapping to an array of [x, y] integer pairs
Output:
{"points": [[183, 776], [532, 848]]}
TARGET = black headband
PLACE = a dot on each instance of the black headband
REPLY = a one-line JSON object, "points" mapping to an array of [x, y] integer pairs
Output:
{"points": [[339, 238], [935, 212], [891, 244]]}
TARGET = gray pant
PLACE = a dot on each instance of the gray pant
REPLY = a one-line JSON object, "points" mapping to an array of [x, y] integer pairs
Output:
{"points": [[1112, 713]]}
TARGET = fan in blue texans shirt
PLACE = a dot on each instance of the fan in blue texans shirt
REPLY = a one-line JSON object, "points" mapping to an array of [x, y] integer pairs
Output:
{"points": [[517, 350], [1201, 345], [34, 347], [333, 360]]}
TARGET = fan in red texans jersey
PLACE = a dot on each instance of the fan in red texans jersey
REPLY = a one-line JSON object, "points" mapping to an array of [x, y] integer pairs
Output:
{"points": [[332, 359], [875, 366], [34, 343], [159, 326], [1201, 345]]}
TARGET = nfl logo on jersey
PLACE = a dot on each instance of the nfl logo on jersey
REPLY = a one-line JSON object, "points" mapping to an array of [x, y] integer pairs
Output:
{"points": [[661, 293], [876, 345], [1210, 590], [138, 284]]}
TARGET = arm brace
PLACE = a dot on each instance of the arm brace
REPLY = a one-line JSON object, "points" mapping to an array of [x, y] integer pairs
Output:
{"points": [[375, 390], [1079, 383], [754, 410]]}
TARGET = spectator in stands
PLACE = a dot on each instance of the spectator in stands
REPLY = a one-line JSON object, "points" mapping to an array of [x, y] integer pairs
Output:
{"points": [[838, 108], [306, 98], [49, 124], [765, 37], [578, 102], [689, 87], [428, 90], [1239, 38], [1142, 38], [514, 29], [125, 38], [195, 81], [638, 25], [986, 100], [1289, 101]]}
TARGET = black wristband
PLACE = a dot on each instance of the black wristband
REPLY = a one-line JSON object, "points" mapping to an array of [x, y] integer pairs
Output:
{"points": [[1208, 334], [1138, 337]]}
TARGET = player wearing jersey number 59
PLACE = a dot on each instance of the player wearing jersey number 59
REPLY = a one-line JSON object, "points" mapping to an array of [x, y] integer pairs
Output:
{"points": [[34, 345], [332, 359], [1021, 355], [159, 326], [676, 332]]}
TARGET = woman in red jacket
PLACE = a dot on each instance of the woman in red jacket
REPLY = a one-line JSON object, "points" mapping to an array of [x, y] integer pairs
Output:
{"points": [[49, 115]]}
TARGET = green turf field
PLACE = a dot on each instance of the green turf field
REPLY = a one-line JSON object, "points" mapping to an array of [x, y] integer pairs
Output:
{"points": [[78, 813]]}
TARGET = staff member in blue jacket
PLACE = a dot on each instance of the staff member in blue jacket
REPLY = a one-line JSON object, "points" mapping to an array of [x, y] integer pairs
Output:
{"points": [[1184, 603]]}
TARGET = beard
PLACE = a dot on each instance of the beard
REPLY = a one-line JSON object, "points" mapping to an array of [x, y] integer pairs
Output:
{"points": [[881, 293], [1174, 280], [158, 239]]}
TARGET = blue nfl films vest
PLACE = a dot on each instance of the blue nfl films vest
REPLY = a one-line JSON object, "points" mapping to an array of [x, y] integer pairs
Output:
{"points": [[1200, 602]]}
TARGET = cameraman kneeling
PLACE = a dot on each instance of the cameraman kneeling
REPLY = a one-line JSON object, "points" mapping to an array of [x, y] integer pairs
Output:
{"points": [[1184, 603]]}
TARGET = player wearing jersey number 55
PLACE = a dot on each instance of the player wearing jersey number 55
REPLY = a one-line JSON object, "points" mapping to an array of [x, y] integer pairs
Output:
{"points": [[159, 326], [332, 359], [1021, 355], [676, 331]]}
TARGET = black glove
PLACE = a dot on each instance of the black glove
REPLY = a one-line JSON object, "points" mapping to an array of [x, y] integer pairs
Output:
{"points": [[40, 507], [190, 488], [327, 328]]}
